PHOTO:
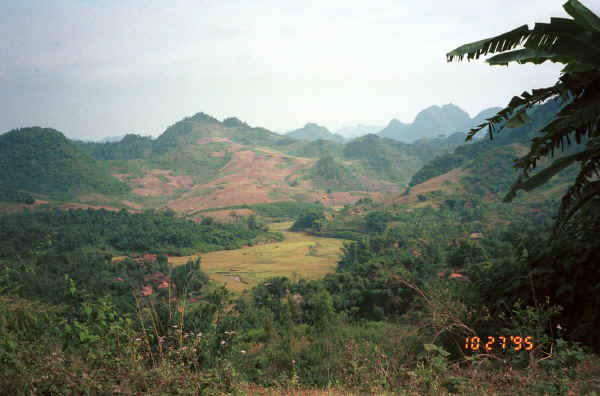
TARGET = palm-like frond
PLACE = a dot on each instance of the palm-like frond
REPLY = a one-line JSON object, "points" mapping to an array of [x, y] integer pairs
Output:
{"points": [[576, 43], [500, 43], [524, 55]]}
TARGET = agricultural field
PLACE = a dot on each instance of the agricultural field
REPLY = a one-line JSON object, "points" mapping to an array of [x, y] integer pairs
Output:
{"points": [[298, 255]]}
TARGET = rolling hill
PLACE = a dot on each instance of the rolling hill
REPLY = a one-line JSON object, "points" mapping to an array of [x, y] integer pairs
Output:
{"points": [[130, 146], [201, 163], [44, 161], [467, 185]]}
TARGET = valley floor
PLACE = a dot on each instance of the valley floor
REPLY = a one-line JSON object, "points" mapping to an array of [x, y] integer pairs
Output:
{"points": [[298, 255]]}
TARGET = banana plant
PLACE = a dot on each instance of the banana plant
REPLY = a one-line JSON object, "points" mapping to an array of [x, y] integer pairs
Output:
{"points": [[574, 42]]}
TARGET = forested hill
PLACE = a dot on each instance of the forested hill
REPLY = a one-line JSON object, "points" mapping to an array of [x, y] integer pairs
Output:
{"points": [[203, 127], [43, 160], [197, 129], [131, 146], [376, 157]]}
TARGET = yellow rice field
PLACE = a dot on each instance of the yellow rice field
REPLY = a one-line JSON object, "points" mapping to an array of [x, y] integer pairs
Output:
{"points": [[298, 255]]}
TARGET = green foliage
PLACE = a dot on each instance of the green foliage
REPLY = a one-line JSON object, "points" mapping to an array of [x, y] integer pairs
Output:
{"points": [[193, 160], [331, 173], [27, 332], [284, 210], [117, 232], [287, 209], [376, 222], [318, 149], [385, 158], [499, 175], [361, 328], [181, 133], [188, 279], [309, 220], [436, 167], [130, 147], [558, 272], [99, 332], [10, 195], [42, 160]]}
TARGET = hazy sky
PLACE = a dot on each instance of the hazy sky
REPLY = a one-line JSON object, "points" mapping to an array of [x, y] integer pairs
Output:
{"points": [[103, 68]]}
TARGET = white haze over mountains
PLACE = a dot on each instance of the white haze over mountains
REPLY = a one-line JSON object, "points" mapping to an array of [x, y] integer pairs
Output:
{"points": [[94, 68], [351, 132]]}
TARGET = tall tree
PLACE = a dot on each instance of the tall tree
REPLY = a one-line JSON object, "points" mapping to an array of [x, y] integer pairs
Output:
{"points": [[574, 42]]}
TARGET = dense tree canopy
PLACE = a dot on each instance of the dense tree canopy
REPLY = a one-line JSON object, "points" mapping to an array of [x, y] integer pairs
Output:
{"points": [[117, 232], [43, 160]]}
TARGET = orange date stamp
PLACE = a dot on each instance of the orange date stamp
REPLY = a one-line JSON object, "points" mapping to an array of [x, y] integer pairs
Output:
{"points": [[499, 343]]}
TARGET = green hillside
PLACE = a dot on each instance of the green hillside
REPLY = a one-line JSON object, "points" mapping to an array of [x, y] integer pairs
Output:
{"points": [[44, 161], [331, 174], [12, 195], [385, 158], [316, 149], [370, 157], [131, 146], [484, 173], [185, 132], [203, 126]]}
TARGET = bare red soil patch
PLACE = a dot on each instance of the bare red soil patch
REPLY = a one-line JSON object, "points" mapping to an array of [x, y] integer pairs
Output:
{"points": [[133, 205], [38, 202], [247, 179], [121, 176], [154, 184], [212, 139], [437, 183]]}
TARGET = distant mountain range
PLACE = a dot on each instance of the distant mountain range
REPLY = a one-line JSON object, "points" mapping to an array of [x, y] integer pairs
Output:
{"points": [[429, 123], [312, 132], [201, 162], [497, 174], [354, 131], [434, 121], [111, 139]]}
